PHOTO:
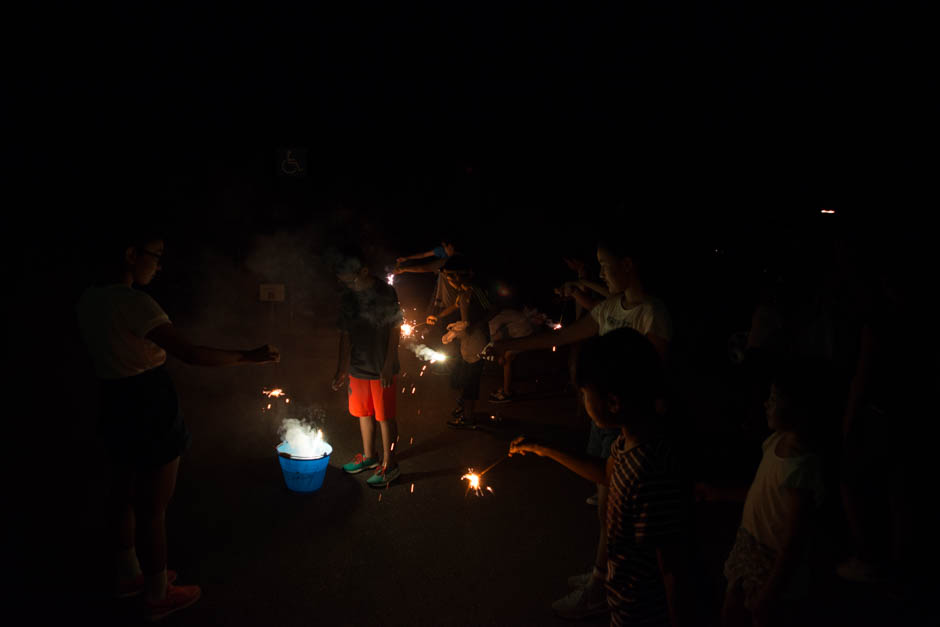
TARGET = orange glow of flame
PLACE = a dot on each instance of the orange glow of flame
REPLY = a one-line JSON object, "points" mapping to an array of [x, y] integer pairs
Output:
{"points": [[275, 392], [556, 326], [269, 405], [473, 482]]}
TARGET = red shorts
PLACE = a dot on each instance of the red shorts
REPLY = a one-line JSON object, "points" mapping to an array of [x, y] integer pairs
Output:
{"points": [[369, 398]]}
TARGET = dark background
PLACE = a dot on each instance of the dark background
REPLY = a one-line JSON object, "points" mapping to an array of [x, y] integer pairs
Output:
{"points": [[715, 133]]}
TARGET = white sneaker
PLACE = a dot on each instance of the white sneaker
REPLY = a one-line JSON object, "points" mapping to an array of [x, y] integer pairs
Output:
{"points": [[582, 603], [856, 570], [580, 581]]}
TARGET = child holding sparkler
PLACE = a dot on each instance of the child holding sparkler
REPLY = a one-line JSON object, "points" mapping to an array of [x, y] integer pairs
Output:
{"points": [[370, 321], [629, 306], [645, 564], [432, 261], [473, 332], [128, 336], [768, 568]]}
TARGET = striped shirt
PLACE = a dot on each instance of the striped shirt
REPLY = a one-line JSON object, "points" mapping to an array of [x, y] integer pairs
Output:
{"points": [[645, 510]]}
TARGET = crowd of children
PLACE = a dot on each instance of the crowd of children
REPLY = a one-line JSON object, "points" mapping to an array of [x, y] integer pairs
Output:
{"points": [[621, 350]]}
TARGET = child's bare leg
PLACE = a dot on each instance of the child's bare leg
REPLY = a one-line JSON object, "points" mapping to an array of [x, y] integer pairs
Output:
{"points": [[367, 429], [507, 373], [123, 523], [600, 559], [389, 428], [154, 491]]}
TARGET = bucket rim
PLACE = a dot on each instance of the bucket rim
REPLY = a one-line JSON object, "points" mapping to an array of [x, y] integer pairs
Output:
{"points": [[301, 459]]}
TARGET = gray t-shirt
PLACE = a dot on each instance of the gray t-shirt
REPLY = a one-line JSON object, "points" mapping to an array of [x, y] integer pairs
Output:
{"points": [[369, 316]]}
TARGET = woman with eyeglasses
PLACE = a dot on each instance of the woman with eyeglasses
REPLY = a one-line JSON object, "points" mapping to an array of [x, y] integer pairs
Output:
{"points": [[128, 336]]}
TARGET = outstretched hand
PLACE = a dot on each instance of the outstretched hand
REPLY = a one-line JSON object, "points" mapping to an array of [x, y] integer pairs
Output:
{"points": [[521, 445], [263, 354]]}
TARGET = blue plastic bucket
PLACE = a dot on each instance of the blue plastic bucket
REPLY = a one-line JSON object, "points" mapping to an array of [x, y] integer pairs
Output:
{"points": [[302, 475]]}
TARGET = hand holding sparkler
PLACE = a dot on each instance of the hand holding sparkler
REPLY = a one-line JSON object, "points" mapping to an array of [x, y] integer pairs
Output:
{"points": [[495, 351], [262, 355], [522, 445]]}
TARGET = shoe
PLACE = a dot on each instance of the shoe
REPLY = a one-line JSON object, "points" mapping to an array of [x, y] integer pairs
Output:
{"points": [[177, 598], [592, 500], [383, 477], [460, 422], [856, 570], [579, 604], [500, 397], [580, 581], [133, 587], [360, 463]]}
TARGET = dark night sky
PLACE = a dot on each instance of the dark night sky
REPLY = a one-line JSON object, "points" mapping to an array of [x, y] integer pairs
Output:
{"points": [[711, 119]]}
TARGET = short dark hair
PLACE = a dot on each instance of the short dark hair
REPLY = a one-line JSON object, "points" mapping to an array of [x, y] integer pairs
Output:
{"points": [[459, 264], [345, 259], [107, 258], [621, 248], [624, 363]]}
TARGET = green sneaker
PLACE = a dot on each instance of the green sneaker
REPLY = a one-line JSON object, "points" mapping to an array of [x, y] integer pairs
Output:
{"points": [[383, 477], [360, 463]]}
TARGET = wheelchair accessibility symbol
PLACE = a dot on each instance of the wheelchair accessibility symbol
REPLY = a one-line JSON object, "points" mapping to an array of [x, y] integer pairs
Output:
{"points": [[292, 162], [291, 166]]}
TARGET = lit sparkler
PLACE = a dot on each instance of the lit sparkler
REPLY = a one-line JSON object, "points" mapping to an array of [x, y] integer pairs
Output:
{"points": [[474, 480], [391, 279], [276, 392]]}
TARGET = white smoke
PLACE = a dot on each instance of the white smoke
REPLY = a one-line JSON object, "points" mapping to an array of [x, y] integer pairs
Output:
{"points": [[304, 439], [426, 354]]}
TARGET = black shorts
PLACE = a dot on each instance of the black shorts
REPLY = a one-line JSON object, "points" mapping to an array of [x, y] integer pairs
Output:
{"points": [[141, 422], [466, 378]]}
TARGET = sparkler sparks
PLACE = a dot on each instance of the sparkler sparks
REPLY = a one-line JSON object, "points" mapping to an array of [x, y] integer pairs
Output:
{"points": [[426, 354], [391, 279], [276, 392], [474, 480]]}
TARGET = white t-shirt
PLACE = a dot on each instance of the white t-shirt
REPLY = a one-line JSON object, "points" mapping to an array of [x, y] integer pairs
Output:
{"points": [[649, 317], [765, 510], [114, 321]]}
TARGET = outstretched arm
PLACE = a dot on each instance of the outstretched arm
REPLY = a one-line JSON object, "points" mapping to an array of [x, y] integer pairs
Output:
{"points": [[167, 337], [582, 329], [592, 469], [432, 266], [430, 253]]}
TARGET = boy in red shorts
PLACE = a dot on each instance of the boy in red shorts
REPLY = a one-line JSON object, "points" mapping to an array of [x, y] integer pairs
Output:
{"points": [[370, 320]]}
